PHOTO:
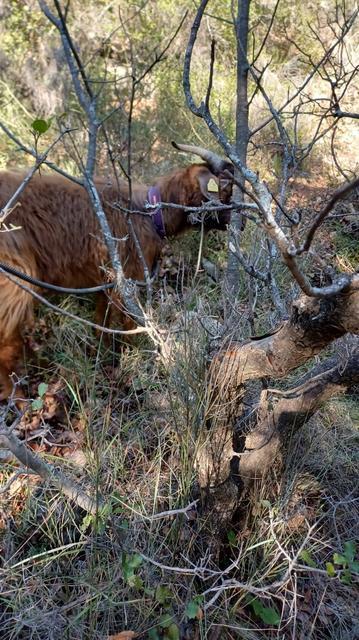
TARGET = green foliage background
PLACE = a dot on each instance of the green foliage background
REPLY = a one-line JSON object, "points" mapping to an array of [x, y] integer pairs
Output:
{"points": [[120, 38]]}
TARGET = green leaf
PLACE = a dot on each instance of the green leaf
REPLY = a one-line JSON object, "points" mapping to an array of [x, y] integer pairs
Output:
{"points": [[192, 609], [135, 561], [350, 550], [163, 594], [330, 569], [126, 568], [129, 564], [346, 577], [165, 621], [232, 538], [153, 635], [307, 558], [118, 511], [269, 615], [123, 524], [37, 404], [135, 582], [256, 606], [354, 567], [40, 126], [105, 511], [42, 388], [172, 632], [338, 558], [86, 522]]}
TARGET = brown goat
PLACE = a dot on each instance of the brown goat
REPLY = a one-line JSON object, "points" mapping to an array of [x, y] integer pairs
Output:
{"points": [[59, 241]]}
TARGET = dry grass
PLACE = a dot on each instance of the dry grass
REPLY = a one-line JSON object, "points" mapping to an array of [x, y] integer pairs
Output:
{"points": [[128, 428]]}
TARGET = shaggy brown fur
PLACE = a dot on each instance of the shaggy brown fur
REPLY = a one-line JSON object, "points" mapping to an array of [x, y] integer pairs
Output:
{"points": [[59, 240]]}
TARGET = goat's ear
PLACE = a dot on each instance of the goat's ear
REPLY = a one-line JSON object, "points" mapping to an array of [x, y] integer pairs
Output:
{"points": [[208, 184]]}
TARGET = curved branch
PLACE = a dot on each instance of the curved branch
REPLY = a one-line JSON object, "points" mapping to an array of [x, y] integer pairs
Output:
{"points": [[337, 195], [68, 314], [313, 325]]}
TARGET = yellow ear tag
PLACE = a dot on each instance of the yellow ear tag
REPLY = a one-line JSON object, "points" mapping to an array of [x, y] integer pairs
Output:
{"points": [[212, 185]]}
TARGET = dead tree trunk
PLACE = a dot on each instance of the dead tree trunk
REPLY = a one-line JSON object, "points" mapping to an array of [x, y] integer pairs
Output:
{"points": [[313, 325], [280, 414]]}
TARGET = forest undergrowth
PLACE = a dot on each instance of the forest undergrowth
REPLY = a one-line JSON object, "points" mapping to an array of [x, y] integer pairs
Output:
{"points": [[155, 561]]}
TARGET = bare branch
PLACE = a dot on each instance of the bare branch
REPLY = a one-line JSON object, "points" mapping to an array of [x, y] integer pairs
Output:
{"points": [[249, 268], [348, 25], [32, 461], [67, 314], [334, 154], [338, 113], [211, 68], [88, 103], [263, 43], [337, 195]]}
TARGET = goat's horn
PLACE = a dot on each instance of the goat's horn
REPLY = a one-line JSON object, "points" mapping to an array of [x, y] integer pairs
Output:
{"points": [[216, 163]]}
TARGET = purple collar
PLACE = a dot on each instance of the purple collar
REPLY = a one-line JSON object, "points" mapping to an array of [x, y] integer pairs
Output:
{"points": [[154, 197]]}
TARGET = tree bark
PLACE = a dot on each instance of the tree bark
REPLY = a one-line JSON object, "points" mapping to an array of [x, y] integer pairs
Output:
{"points": [[292, 409], [314, 324], [237, 220]]}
